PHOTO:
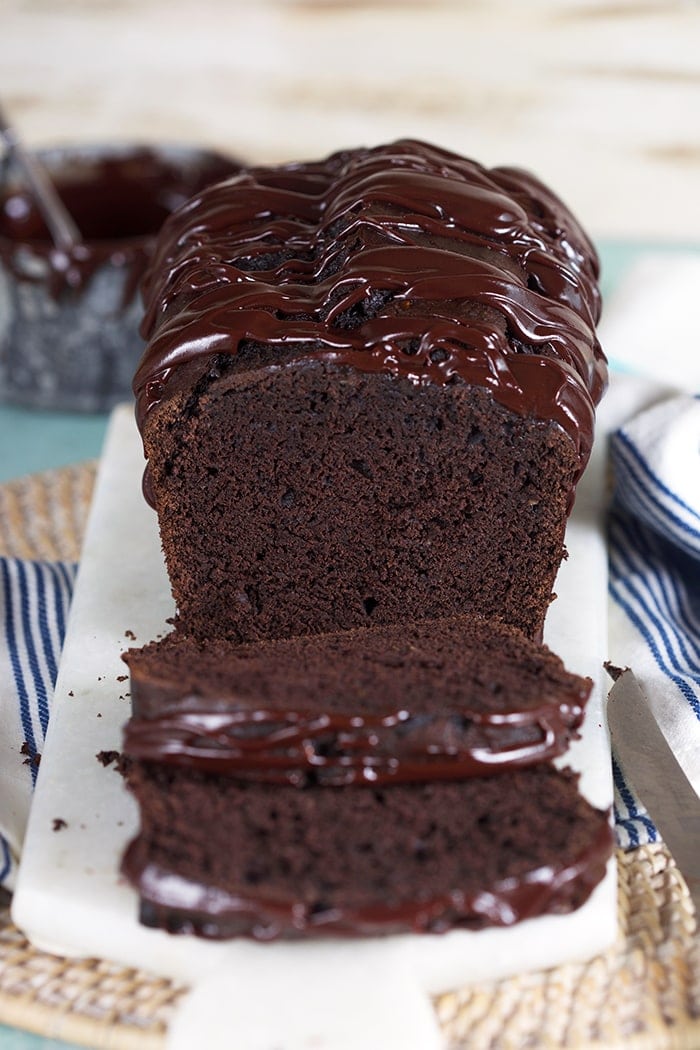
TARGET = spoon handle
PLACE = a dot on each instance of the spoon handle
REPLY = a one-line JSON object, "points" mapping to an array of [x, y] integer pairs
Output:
{"points": [[63, 230]]}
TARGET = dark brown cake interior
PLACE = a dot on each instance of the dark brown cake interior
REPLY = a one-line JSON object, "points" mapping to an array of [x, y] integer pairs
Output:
{"points": [[317, 499], [465, 664]]}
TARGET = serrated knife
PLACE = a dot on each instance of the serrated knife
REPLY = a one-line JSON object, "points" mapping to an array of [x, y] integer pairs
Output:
{"points": [[658, 780]]}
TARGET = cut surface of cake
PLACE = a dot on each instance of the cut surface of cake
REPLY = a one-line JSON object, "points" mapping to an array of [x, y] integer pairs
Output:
{"points": [[368, 393], [221, 858], [435, 699]]}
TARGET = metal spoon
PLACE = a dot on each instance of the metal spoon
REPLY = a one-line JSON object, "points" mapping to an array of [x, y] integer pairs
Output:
{"points": [[64, 232]]}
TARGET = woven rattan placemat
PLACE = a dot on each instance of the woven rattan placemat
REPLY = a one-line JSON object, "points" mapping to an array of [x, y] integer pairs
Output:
{"points": [[642, 994]]}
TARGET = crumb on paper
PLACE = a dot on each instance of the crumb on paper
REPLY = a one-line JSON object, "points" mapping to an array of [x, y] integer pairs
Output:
{"points": [[107, 758], [122, 677], [59, 824], [130, 635], [71, 693]]}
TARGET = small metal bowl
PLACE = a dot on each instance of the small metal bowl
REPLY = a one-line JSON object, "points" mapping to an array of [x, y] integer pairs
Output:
{"points": [[69, 325]]}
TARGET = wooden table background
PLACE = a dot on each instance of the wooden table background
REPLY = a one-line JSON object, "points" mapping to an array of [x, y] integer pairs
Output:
{"points": [[602, 99]]}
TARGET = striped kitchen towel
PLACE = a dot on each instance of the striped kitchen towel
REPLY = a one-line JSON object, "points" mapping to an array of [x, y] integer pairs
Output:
{"points": [[654, 556], [33, 609]]}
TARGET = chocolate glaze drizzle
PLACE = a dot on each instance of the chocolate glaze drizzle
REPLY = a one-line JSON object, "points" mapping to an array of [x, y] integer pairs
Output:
{"points": [[185, 906], [405, 260], [295, 747]]}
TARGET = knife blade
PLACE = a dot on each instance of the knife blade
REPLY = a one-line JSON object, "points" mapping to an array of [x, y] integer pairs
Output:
{"points": [[656, 776]]}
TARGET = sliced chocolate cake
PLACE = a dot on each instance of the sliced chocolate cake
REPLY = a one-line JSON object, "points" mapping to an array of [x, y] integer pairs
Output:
{"points": [[368, 393], [367, 398], [221, 858], [434, 699]]}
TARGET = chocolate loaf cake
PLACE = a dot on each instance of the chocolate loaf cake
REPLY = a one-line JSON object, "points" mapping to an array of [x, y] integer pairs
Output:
{"points": [[443, 699], [367, 398], [368, 393], [220, 857]]}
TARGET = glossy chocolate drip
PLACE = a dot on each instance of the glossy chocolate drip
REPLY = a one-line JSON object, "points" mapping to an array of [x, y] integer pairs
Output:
{"points": [[405, 260], [182, 905], [273, 746]]}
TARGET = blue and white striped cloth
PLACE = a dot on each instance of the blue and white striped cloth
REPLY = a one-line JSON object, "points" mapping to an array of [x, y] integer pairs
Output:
{"points": [[650, 334], [654, 557], [33, 608]]}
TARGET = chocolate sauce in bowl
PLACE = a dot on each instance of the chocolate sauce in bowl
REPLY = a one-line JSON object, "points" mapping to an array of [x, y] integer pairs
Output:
{"points": [[69, 333], [119, 202]]}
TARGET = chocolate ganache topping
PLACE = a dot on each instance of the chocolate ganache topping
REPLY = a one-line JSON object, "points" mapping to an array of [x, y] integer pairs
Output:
{"points": [[301, 747], [405, 259]]}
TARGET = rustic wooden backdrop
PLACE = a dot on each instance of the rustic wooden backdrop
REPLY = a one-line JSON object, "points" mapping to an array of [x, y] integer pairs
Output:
{"points": [[601, 98]]}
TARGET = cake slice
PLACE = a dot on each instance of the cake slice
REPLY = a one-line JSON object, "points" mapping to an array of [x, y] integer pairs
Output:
{"points": [[221, 858], [448, 698], [368, 393]]}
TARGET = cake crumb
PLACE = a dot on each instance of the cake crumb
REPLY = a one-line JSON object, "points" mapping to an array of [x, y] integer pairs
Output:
{"points": [[130, 635], [122, 677], [107, 758], [33, 757], [59, 823], [614, 671]]}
